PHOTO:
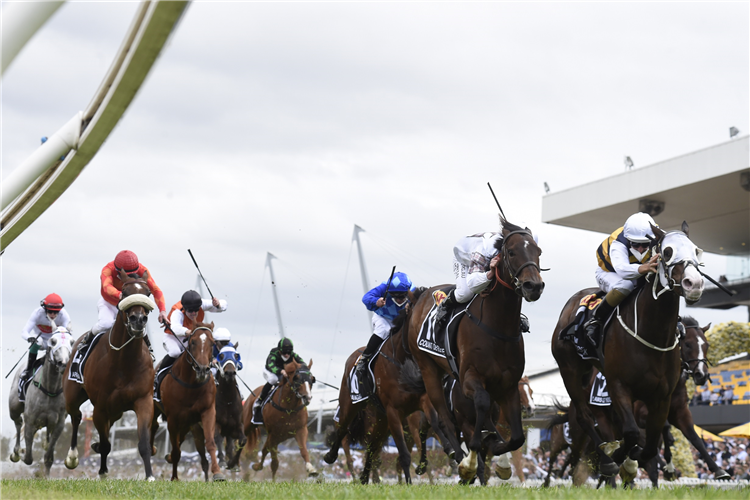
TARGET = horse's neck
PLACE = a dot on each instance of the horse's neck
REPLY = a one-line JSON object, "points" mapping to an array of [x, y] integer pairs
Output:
{"points": [[657, 318], [502, 310], [182, 369], [286, 397], [118, 336]]}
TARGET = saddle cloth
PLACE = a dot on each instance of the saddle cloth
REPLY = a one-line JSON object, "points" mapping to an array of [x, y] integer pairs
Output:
{"points": [[79, 360], [23, 385], [158, 379], [430, 339], [599, 393], [360, 389]]}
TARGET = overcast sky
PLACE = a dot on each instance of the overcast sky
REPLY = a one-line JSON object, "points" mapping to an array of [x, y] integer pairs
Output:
{"points": [[275, 127]]}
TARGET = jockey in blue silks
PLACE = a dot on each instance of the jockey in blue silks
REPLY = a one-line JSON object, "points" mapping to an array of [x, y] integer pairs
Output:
{"points": [[386, 306]]}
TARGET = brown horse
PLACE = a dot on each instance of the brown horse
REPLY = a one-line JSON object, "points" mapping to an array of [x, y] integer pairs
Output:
{"points": [[393, 399], [228, 408], [284, 416], [639, 346], [118, 376], [188, 401], [489, 346]]}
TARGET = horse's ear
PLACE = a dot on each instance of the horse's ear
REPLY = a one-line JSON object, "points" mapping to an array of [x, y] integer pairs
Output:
{"points": [[657, 231], [706, 328], [123, 275], [211, 326], [685, 228], [144, 276], [236, 345], [309, 365]]}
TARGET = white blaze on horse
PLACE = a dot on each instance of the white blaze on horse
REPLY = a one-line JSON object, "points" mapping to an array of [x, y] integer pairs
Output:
{"points": [[44, 404]]}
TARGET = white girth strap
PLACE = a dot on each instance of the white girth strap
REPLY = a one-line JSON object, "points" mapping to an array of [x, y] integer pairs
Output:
{"points": [[137, 299]]}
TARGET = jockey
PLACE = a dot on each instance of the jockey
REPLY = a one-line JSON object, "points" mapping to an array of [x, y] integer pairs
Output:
{"points": [[222, 339], [184, 315], [40, 327], [623, 257], [274, 371], [386, 304], [111, 291], [475, 258]]}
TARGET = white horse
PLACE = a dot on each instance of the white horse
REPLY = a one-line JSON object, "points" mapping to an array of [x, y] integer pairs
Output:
{"points": [[45, 404]]}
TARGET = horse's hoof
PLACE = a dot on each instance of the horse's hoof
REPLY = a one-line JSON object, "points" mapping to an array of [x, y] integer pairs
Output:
{"points": [[168, 458], [722, 475], [669, 476], [330, 457], [219, 477], [628, 470], [420, 469], [608, 469], [153, 451], [466, 473], [28, 460], [150, 479], [95, 447], [503, 473], [71, 463], [103, 476], [311, 471], [257, 467], [610, 447], [14, 457]]}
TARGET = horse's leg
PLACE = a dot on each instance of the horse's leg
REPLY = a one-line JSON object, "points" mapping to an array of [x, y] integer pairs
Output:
{"points": [[657, 416], [208, 419], [264, 451], [668, 440], [301, 437], [348, 455], [219, 441], [71, 460], [348, 411], [175, 437], [200, 446], [28, 434], [518, 464], [451, 445], [364, 476], [683, 420], [144, 413], [397, 431], [274, 463], [154, 428], [57, 430], [422, 430], [103, 447]]}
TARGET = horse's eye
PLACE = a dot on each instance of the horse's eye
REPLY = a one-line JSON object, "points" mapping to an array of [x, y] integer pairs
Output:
{"points": [[668, 253], [511, 253], [54, 342]]}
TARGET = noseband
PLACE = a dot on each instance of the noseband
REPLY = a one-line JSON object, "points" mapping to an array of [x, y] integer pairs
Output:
{"points": [[514, 273]]}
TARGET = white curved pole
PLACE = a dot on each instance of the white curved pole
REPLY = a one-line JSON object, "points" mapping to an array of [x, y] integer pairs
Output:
{"points": [[270, 257], [362, 269], [20, 20]]}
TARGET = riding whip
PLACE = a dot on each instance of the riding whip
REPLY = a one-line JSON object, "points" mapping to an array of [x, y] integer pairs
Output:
{"points": [[388, 285], [54, 327], [248, 388], [498, 203], [329, 385], [201, 274]]}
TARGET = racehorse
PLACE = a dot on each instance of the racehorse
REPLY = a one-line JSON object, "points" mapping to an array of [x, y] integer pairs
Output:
{"points": [[394, 400], [188, 401], [284, 416], [118, 376], [639, 346], [228, 408], [527, 408], [43, 406], [489, 346]]}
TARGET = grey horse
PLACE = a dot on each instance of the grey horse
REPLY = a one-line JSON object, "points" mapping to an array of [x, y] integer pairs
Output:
{"points": [[45, 404]]}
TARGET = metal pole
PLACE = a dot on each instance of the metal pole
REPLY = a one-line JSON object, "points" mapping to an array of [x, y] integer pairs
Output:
{"points": [[362, 269], [269, 257], [320, 417], [21, 21]]}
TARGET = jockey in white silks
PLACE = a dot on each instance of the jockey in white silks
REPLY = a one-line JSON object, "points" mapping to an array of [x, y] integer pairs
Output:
{"points": [[40, 327]]}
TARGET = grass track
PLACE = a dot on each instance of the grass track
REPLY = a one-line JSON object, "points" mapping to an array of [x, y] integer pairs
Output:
{"points": [[92, 489]]}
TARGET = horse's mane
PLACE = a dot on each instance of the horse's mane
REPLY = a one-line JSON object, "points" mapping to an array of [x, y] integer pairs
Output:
{"points": [[504, 224]]}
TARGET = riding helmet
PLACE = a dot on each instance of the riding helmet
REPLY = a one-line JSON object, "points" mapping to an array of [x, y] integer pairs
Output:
{"points": [[127, 260], [191, 300], [400, 283], [52, 302], [638, 228], [286, 346]]}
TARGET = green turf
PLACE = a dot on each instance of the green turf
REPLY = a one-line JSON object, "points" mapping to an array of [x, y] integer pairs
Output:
{"points": [[90, 489]]}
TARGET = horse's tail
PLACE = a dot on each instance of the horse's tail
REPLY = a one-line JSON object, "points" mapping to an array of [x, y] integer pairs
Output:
{"points": [[357, 429], [410, 377], [562, 416]]}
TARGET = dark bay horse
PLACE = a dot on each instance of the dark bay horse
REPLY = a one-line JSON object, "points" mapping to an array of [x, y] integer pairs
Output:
{"points": [[393, 399], [118, 376], [639, 346], [490, 348], [44, 405], [284, 416], [188, 401], [228, 408]]}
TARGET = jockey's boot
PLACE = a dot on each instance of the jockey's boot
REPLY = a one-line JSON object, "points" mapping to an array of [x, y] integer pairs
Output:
{"points": [[258, 405], [445, 308], [85, 340], [370, 350], [593, 326], [166, 362], [150, 349], [525, 327], [29, 366]]}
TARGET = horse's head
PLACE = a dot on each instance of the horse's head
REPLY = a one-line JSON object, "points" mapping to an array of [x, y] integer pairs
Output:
{"points": [[300, 379], [678, 265], [135, 303], [520, 256], [229, 363], [527, 399], [59, 348], [199, 350], [694, 350]]}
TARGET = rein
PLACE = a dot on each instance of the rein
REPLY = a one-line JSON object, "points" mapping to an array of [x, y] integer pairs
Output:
{"points": [[46, 391], [278, 406], [634, 334], [194, 364]]}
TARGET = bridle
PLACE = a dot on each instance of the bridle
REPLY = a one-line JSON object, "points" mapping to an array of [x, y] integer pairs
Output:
{"points": [[666, 268], [513, 273], [194, 364]]}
